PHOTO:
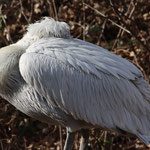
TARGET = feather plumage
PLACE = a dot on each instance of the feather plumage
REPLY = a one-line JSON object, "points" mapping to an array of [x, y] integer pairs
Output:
{"points": [[87, 82], [74, 83]]}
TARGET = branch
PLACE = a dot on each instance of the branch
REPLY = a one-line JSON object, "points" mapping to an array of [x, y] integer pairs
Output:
{"points": [[55, 10], [127, 26], [121, 32], [7, 28], [107, 18], [23, 12]]}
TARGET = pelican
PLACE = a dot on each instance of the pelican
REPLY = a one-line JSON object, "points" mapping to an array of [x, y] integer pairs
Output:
{"points": [[60, 80]]}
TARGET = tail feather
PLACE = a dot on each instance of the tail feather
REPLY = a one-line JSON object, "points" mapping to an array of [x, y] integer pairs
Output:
{"points": [[144, 138]]}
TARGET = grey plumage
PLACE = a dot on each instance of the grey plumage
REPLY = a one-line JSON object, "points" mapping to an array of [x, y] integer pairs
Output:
{"points": [[76, 84]]}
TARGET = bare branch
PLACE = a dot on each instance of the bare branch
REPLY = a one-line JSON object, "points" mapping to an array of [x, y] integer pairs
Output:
{"points": [[108, 18], [55, 10], [121, 32], [102, 31], [23, 12], [128, 27], [61, 139], [7, 29], [83, 20]]}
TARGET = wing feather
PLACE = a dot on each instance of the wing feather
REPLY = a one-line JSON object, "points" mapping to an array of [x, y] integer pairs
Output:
{"points": [[87, 82]]}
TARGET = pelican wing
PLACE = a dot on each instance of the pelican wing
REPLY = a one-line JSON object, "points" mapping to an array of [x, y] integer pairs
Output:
{"points": [[89, 83]]}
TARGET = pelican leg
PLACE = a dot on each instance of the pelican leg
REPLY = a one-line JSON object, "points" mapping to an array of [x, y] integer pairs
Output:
{"points": [[84, 139], [69, 140]]}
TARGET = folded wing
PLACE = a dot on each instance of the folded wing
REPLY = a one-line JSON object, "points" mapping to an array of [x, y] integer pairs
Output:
{"points": [[87, 82]]}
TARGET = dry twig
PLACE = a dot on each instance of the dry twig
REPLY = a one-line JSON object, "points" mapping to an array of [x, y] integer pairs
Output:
{"points": [[121, 32], [22, 11], [55, 10], [127, 26], [61, 139], [100, 13]]}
